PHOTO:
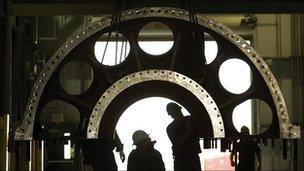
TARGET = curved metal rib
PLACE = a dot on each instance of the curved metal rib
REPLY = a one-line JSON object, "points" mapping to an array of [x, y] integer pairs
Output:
{"points": [[156, 75]]}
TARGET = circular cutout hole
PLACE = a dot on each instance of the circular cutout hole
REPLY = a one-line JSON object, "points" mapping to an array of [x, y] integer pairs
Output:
{"points": [[211, 48], [257, 120], [76, 77], [59, 117], [235, 76], [155, 38], [111, 48]]}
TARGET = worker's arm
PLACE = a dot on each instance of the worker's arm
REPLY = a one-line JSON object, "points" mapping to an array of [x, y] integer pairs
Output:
{"points": [[232, 162], [119, 147]]}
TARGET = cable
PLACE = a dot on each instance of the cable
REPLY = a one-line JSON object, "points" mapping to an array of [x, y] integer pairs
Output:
{"points": [[104, 52], [197, 34]]}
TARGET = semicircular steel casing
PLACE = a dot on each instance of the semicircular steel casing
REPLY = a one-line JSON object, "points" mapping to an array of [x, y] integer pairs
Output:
{"points": [[181, 59]]}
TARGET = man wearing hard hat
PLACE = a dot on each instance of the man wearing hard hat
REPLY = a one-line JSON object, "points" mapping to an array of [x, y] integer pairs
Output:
{"points": [[144, 157]]}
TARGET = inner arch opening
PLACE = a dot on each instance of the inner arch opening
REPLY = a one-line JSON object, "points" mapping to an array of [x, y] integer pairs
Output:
{"points": [[150, 115]]}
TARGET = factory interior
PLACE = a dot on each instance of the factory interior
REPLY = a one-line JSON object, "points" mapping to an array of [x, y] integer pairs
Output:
{"points": [[75, 70]]}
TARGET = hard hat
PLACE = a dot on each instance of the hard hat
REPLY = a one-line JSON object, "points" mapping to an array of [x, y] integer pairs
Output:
{"points": [[171, 107], [139, 135]]}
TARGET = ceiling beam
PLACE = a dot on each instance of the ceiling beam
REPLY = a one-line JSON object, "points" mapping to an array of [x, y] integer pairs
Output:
{"points": [[94, 7]]}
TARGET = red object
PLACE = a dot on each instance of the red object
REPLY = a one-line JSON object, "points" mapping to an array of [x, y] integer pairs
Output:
{"points": [[219, 163]]}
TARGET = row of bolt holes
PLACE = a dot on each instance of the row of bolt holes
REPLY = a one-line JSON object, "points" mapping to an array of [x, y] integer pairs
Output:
{"points": [[53, 62], [244, 45], [163, 72], [258, 61], [270, 78], [266, 73], [254, 56], [35, 94], [173, 12]]}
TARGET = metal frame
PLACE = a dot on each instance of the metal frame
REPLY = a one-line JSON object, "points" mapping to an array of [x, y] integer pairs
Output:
{"points": [[287, 130], [156, 75]]}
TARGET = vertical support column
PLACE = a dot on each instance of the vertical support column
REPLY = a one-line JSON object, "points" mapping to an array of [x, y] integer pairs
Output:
{"points": [[5, 59], [5, 75], [297, 58], [4, 155], [36, 158]]}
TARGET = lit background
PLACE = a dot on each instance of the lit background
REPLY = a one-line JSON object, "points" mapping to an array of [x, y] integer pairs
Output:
{"points": [[150, 114]]}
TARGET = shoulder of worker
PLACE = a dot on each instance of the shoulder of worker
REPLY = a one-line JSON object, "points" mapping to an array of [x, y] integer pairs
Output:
{"points": [[170, 126], [133, 154], [157, 152], [189, 118]]}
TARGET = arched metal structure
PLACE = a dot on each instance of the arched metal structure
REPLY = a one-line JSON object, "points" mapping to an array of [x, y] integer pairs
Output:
{"points": [[181, 59], [156, 75]]}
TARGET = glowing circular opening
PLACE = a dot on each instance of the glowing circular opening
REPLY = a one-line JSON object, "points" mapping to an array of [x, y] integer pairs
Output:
{"points": [[211, 48], [155, 38], [258, 121], [111, 48], [235, 71]]}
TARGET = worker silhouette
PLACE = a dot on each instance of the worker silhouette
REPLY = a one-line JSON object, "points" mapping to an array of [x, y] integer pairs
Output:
{"points": [[247, 148], [144, 157], [185, 142], [99, 153]]}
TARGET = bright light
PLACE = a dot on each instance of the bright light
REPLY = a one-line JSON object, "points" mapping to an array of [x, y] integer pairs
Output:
{"points": [[67, 148], [242, 115], [156, 47], [7, 137], [235, 75], [210, 54], [111, 57], [31, 156], [42, 155], [149, 115]]}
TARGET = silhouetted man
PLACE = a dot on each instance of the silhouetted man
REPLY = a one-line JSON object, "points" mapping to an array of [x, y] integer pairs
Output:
{"points": [[144, 157], [247, 148], [185, 141], [99, 153]]}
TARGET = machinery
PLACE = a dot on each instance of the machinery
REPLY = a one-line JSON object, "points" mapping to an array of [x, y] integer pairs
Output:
{"points": [[137, 75]]}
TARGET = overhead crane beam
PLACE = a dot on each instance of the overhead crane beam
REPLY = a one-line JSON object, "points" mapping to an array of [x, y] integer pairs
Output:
{"points": [[98, 7]]}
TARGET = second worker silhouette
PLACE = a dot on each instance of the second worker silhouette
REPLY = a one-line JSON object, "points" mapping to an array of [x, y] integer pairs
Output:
{"points": [[185, 142]]}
